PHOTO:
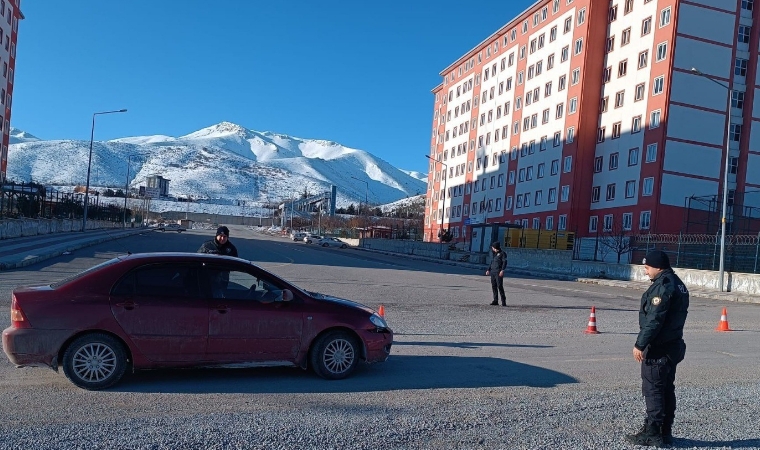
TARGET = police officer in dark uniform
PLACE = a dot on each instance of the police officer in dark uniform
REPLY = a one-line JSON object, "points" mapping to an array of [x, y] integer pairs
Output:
{"points": [[220, 245], [496, 270], [659, 348]]}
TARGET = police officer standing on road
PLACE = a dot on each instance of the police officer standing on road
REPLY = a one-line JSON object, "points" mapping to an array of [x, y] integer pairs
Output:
{"points": [[496, 270], [220, 245], [659, 348]]}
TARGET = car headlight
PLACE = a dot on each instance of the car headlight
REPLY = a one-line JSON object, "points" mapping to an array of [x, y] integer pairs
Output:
{"points": [[378, 321]]}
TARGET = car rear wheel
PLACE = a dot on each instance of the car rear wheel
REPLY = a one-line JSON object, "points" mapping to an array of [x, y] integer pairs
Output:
{"points": [[335, 355], [343, 246], [95, 361], [325, 244]]}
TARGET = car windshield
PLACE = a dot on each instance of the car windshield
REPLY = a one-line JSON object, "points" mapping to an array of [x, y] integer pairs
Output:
{"points": [[83, 273]]}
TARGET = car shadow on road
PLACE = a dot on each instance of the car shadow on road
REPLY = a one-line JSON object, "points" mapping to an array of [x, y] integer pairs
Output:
{"points": [[398, 373], [468, 345], [738, 443]]}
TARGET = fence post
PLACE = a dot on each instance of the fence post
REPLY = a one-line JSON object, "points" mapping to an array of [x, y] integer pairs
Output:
{"points": [[757, 250], [678, 255], [715, 250]]}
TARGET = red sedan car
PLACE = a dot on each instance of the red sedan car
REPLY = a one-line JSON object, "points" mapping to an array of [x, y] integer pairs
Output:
{"points": [[158, 310]]}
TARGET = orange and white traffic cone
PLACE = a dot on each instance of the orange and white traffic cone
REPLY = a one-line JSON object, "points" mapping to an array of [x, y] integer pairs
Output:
{"points": [[591, 328], [723, 324], [381, 311]]}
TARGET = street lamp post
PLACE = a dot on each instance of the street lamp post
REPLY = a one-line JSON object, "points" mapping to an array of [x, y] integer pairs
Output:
{"points": [[366, 200], [724, 213], [443, 197], [89, 164], [126, 191]]}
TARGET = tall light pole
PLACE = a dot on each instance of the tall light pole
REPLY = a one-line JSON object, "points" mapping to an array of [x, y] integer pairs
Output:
{"points": [[126, 191], [443, 197], [366, 192], [89, 165], [724, 213]]}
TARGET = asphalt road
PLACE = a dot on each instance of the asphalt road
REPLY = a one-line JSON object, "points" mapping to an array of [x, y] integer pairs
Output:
{"points": [[462, 374]]}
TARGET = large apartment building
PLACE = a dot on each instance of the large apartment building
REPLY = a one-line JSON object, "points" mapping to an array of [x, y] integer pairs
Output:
{"points": [[588, 115], [10, 15]]}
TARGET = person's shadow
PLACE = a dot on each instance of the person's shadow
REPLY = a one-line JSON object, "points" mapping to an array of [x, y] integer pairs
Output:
{"points": [[695, 443]]}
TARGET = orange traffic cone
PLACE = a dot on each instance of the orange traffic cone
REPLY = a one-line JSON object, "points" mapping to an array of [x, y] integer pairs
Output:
{"points": [[381, 311], [723, 325], [591, 328]]}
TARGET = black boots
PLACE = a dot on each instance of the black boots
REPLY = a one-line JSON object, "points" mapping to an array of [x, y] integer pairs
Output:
{"points": [[495, 303], [648, 435], [667, 434]]}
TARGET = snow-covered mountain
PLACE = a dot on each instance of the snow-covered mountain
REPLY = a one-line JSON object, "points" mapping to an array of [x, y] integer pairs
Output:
{"points": [[224, 163]]}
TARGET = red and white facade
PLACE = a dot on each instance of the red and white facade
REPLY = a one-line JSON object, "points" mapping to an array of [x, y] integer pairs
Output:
{"points": [[581, 115], [10, 15]]}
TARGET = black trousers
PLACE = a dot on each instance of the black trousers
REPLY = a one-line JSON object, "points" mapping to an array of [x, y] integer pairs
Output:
{"points": [[658, 376], [497, 286]]}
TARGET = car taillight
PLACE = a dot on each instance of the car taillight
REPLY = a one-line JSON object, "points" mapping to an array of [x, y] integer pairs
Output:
{"points": [[18, 319]]}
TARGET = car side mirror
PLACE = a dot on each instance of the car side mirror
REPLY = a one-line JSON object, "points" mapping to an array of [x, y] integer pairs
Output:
{"points": [[287, 295]]}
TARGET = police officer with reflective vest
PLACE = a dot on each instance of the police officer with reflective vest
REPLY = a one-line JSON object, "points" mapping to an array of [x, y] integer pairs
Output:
{"points": [[659, 348]]}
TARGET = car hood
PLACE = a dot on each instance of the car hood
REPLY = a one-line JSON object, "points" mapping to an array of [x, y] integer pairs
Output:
{"points": [[341, 301]]}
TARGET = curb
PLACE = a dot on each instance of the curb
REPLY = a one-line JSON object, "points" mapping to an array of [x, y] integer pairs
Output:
{"points": [[59, 250]]}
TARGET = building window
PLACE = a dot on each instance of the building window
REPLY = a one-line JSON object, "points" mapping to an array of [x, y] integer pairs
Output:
{"points": [[568, 25], [647, 187], [555, 167], [552, 197], [581, 16], [614, 157], [511, 177], [593, 223], [622, 68], [636, 125], [628, 6], [630, 189], [607, 75], [662, 51], [570, 135], [598, 163], [611, 192], [733, 165], [740, 67], [643, 59], [654, 120], [608, 222], [603, 105], [619, 99], [568, 165], [665, 17], [633, 156], [651, 153], [640, 91], [564, 54], [747, 4], [565, 193], [610, 44], [578, 46], [509, 203], [562, 223], [595, 194], [625, 37], [557, 139], [616, 130], [735, 132], [737, 99], [644, 219], [538, 198], [659, 85], [540, 170], [550, 223], [575, 77], [612, 16], [600, 134], [627, 221], [646, 26], [572, 106]]}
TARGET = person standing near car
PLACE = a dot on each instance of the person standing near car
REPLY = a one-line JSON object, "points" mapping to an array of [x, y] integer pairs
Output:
{"points": [[496, 270], [659, 348], [220, 245]]}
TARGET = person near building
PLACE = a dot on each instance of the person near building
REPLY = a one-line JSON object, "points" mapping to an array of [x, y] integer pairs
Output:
{"points": [[220, 245], [496, 270], [659, 348]]}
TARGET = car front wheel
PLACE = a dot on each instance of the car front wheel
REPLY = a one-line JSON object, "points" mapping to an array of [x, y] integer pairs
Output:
{"points": [[343, 246], [95, 361], [325, 244], [335, 355]]}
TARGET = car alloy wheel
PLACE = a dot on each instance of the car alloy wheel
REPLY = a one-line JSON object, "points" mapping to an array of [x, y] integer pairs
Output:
{"points": [[335, 355], [95, 361]]}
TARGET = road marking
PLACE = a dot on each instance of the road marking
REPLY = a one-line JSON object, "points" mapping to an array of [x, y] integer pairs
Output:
{"points": [[597, 359], [729, 354]]}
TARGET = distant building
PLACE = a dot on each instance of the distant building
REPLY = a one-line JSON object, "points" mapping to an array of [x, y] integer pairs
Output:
{"points": [[10, 14], [586, 115], [157, 183]]}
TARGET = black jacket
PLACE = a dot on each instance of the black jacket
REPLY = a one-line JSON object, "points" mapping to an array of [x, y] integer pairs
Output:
{"points": [[498, 263], [213, 247], [662, 315]]}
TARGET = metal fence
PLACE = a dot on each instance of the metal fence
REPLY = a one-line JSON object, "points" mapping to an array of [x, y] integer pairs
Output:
{"points": [[690, 251]]}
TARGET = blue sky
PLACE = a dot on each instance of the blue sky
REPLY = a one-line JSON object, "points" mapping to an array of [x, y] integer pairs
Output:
{"points": [[358, 73]]}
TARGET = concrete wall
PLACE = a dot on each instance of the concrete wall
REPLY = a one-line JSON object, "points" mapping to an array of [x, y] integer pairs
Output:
{"points": [[560, 262], [12, 228]]}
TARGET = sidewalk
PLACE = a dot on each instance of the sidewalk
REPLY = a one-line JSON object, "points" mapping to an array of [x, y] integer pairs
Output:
{"points": [[637, 285], [20, 252]]}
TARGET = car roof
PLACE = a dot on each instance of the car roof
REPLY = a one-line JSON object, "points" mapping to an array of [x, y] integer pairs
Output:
{"points": [[181, 257]]}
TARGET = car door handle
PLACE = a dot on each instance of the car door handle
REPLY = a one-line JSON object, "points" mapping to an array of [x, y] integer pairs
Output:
{"points": [[222, 309], [129, 306]]}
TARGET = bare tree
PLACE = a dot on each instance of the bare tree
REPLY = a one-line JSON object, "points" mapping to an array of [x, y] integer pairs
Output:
{"points": [[616, 239]]}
